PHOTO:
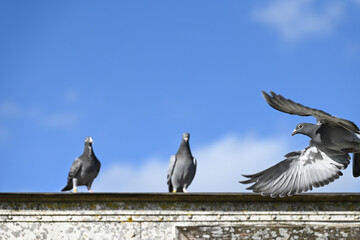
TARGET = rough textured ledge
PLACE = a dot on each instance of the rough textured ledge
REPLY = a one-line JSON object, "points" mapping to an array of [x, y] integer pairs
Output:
{"points": [[178, 216], [170, 197]]}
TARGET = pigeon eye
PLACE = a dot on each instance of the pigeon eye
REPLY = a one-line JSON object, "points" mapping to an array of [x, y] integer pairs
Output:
{"points": [[300, 126]]}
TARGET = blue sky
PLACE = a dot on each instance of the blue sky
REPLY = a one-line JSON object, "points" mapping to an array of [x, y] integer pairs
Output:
{"points": [[135, 75]]}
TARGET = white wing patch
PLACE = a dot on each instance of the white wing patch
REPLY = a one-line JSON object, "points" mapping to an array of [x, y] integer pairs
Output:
{"points": [[300, 172]]}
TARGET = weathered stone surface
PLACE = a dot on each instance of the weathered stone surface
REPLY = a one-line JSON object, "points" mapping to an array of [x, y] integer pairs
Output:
{"points": [[178, 216], [269, 231]]}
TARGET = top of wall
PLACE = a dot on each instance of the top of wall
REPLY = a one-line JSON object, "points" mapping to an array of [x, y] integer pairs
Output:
{"points": [[171, 197]]}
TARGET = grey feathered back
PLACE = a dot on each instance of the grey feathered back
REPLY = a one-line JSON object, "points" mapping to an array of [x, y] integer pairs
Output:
{"points": [[84, 168]]}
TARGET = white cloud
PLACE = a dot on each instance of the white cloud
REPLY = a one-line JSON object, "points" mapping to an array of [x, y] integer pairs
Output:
{"points": [[60, 120], [13, 110], [220, 165], [150, 177], [298, 19], [356, 1], [4, 134], [71, 96], [9, 109]]}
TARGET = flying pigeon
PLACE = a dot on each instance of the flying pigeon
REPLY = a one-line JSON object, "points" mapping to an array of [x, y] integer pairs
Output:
{"points": [[182, 167], [84, 169], [320, 163]]}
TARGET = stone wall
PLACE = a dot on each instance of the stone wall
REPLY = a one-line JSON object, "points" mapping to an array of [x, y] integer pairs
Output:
{"points": [[178, 216]]}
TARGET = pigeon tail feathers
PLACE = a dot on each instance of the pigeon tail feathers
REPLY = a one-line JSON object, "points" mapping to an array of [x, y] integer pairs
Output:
{"points": [[356, 164], [68, 187]]}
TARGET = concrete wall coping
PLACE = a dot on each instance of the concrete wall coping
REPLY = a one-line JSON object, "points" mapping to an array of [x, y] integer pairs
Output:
{"points": [[169, 216], [171, 197]]}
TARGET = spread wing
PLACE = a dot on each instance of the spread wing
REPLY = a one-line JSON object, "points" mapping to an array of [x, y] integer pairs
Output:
{"points": [[172, 162], [75, 167], [288, 106], [299, 172]]}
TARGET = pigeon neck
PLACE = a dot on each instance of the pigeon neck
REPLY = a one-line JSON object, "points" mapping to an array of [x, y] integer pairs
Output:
{"points": [[311, 131], [184, 149], [88, 150]]}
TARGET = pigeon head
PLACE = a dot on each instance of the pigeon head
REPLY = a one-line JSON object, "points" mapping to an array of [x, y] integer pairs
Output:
{"points": [[304, 128], [186, 137], [89, 140]]}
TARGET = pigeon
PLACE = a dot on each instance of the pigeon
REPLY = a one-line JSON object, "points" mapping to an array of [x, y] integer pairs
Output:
{"points": [[84, 169], [320, 163], [182, 167]]}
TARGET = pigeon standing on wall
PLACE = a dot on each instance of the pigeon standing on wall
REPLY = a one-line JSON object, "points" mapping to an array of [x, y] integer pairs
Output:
{"points": [[84, 169], [318, 164], [182, 167]]}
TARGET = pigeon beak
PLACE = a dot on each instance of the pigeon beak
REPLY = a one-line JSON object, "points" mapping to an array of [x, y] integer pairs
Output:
{"points": [[186, 139], [294, 132]]}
